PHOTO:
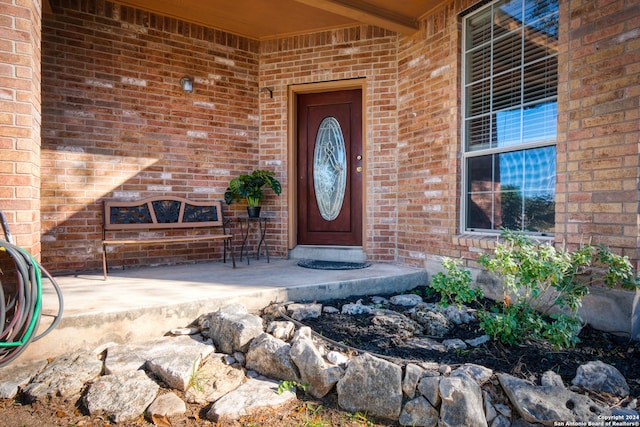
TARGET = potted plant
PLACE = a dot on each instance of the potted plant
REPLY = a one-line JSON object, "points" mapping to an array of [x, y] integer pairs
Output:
{"points": [[251, 187]]}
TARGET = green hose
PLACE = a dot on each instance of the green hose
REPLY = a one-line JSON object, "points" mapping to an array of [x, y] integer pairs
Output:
{"points": [[21, 308], [36, 310]]}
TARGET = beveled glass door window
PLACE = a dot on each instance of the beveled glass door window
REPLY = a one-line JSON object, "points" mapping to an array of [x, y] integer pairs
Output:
{"points": [[329, 169]]}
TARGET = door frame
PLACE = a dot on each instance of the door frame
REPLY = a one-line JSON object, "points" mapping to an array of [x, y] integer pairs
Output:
{"points": [[292, 151]]}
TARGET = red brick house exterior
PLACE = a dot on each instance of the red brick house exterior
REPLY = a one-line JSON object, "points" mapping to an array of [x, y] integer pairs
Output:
{"points": [[92, 109]]}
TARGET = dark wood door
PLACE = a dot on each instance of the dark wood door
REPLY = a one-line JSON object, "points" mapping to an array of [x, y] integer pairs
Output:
{"points": [[330, 162]]}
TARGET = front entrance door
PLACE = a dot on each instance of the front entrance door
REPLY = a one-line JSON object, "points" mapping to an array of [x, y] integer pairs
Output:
{"points": [[330, 161]]}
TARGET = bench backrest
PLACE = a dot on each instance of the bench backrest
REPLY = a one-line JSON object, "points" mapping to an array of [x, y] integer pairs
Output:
{"points": [[161, 212]]}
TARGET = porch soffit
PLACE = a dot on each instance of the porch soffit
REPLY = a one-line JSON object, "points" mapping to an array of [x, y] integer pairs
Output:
{"points": [[269, 19]]}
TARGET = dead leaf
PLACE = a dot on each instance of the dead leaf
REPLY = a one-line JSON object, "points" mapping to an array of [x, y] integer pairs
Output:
{"points": [[160, 420]]}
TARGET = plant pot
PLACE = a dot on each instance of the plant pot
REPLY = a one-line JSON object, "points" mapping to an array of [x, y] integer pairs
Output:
{"points": [[253, 211]]}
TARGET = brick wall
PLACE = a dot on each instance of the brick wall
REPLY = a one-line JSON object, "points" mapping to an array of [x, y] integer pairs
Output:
{"points": [[117, 124], [429, 138], [359, 52], [599, 124], [20, 121]]}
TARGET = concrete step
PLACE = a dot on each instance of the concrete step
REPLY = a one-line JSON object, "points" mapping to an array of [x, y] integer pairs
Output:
{"points": [[138, 304]]}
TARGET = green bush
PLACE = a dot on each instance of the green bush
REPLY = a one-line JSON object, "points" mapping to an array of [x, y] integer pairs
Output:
{"points": [[455, 286], [543, 288]]}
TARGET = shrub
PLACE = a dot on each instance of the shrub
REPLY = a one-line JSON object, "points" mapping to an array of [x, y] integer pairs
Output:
{"points": [[548, 286], [455, 286]]}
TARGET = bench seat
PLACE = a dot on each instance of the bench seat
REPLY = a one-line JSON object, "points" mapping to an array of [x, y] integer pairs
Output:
{"points": [[163, 214]]}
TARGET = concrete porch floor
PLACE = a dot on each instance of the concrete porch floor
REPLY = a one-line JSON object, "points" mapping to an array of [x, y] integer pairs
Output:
{"points": [[134, 305]]}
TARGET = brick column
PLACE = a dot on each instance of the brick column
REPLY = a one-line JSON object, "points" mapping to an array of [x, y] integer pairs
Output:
{"points": [[20, 112]]}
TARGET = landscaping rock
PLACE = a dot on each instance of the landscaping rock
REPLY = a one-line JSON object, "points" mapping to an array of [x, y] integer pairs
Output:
{"points": [[214, 379], [356, 308], [412, 374], [232, 328], [122, 397], [429, 387], [167, 405], [396, 322], [434, 323], [406, 300], [179, 360], [64, 376], [461, 402], [282, 330], [550, 404], [301, 312], [270, 357], [13, 377], [255, 394], [314, 371], [373, 386], [602, 378], [478, 373], [419, 412]]}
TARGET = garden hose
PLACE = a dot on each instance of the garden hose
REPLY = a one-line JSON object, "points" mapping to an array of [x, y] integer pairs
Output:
{"points": [[21, 303]]}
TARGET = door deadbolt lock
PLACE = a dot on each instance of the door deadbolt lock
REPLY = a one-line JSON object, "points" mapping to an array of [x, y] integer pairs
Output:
{"points": [[359, 157]]}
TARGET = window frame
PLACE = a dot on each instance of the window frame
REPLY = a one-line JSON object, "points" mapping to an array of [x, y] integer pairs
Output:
{"points": [[467, 153]]}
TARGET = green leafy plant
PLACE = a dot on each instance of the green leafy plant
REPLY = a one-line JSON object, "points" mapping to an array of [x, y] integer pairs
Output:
{"points": [[543, 288], [360, 417], [251, 187], [195, 380], [313, 417], [455, 285], [291, 386]]}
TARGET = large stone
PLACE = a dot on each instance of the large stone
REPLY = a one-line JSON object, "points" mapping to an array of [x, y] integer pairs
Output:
{"points": [[412, 374], [12, 377], [602, 378], [232, 328], [214, 379], [357, 308], [434, 323], [65, 375], [397, 323], [478, 373], [257, 394], [429, 387], [314, 371], [419, 412], [461, 402], [125, 358], [550, 404], [122, 397], [282, 330], [270, 357], [179, 362], [167, 405], [373, 386], [302, 312], [406, 300]]}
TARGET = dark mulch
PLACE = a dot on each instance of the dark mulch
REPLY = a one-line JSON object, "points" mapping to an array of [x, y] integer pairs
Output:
{"points": [[528, 360]]}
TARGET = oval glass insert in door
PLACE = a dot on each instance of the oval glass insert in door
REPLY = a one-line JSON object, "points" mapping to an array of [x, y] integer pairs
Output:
{"points": [[329, 168]]}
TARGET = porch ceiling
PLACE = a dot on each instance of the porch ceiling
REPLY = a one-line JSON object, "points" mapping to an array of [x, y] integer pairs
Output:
{"points": [[268, 19]]}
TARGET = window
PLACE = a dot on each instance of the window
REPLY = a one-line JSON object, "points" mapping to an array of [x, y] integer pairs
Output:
{"points": [[510, 115]]}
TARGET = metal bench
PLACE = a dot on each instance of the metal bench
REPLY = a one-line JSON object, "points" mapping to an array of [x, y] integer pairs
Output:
{"points": [[122, 221]]}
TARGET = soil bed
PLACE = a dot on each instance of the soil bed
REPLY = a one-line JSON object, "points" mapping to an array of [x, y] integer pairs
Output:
{"points": [[528, 360]]}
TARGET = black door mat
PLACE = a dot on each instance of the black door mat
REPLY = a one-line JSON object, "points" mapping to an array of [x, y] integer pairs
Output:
{"points": [[332, 265]]}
